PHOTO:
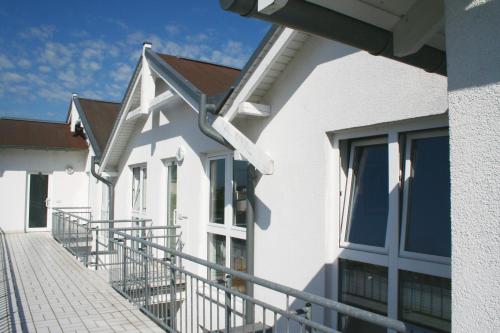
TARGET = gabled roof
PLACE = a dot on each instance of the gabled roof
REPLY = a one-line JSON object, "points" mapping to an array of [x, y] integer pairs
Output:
{"points": [[211, 79], [186, 78], [98, 118], [24, 133]]}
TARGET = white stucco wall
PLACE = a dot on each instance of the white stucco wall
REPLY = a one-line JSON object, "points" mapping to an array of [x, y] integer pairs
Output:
{"points": [[473, 46], [64, 189], [328, 87], [158, 140]]}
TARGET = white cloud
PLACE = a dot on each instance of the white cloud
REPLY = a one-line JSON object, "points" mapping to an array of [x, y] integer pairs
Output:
{"points": [[44, 31], [173, 29], [44, 69], [122, 73], [5, 62], [24, 63], [56, 54], [11, 77]]}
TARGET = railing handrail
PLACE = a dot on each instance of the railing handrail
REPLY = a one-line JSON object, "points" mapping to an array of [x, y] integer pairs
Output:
{"points": [[59, 208], [119, 221], [345, 309]]}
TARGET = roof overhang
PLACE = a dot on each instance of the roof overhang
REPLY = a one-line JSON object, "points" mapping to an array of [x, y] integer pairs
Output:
{"points": [[409, 31]]}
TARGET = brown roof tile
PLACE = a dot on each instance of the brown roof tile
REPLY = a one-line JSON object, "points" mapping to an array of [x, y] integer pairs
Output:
{"points": [[38, 134], [101, 116], [211, 79]]}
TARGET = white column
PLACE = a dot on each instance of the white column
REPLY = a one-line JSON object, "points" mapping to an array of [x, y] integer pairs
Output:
{"points": [[147, 82], [473, 55]]}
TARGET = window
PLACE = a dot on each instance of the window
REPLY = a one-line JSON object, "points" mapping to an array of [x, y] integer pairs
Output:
{"points": [[139, 191], [239, 261], [227, 215], [365, 214], [363, 286], [425, 301], [426, 208], [216, 254], [217, 190], [171, 193], [395, 225], [240, 180]]}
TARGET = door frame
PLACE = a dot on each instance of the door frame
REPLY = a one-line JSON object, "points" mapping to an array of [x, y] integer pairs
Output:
{"points": [[49, 196]]}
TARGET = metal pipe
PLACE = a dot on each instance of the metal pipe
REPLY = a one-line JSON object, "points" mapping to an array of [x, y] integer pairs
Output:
{"points": [[250, 241], [111, 188], [205, 127], [311, 18]]}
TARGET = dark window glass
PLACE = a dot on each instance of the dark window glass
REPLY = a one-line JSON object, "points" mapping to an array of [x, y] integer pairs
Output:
{"points": [[363, 286], [367, 220], [425, 301], [217, 189], [240, 181], [428, 230], [239, 261], [39, 185], [217, 254]]}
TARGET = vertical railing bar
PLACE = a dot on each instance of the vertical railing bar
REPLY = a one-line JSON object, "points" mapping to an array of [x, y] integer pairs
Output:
{"points": [[227, 313]]}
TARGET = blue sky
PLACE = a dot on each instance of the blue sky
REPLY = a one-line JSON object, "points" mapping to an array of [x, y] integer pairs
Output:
{"points": [[49, 49]]}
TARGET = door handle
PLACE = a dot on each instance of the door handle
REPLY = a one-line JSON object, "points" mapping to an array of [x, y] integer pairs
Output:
{"points": [[47, 202]]}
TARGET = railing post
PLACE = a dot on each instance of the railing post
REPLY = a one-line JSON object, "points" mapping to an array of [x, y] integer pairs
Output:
{"points": [[87, 250], [146, 278], [96, 247], [228, 303], [124, 266], [173, 296], [308, 315], [63, 238]]}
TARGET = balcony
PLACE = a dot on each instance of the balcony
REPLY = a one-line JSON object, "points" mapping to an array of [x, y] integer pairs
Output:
{"points": [[132, 276]]}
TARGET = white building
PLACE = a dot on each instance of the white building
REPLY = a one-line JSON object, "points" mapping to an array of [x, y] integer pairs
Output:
{"points": [[44, 164]]}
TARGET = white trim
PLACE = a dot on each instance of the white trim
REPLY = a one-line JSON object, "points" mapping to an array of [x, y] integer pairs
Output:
{"points": [[407, 175], [347, 201], [254, 109], [277, 48]]}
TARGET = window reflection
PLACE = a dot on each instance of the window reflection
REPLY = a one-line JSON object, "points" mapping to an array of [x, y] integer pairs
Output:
{"points": [[217, 189]]}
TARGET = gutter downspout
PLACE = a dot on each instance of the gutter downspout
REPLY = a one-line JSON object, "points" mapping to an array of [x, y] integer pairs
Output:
{"points": [[207, 129], [111, 188]]}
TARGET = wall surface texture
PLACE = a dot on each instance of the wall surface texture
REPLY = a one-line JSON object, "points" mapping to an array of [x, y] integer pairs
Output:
{"points": [[328, 87], [64, 189], [473, 46]]}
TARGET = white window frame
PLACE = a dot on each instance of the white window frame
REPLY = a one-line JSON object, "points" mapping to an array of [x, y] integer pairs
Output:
{"points": [[347, 201], [168, 163], [393, 260], [227, 229], [142, 210], [407, 173]]}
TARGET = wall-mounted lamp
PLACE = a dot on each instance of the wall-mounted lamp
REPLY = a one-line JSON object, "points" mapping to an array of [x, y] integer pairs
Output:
{"points": [[70, 170]]}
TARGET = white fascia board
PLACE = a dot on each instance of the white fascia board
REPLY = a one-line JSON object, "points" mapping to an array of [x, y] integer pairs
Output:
{"points": [[259, 73], [123, 118], [269, 7], [254, 109], [254, 154], [414, 29]]}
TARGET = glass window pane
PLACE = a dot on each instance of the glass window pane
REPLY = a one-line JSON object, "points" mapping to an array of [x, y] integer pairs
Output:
{"points": [[217, 254], [425, 301], [238, 261], [217, 189], [367, 219], [171, 193], [240, 181], [363, 286], [136, 174], [428, 229], [144, 187]]}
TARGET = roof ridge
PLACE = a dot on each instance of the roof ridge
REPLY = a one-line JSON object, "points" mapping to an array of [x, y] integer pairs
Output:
{"points": [[35, 120], [200, 61], [98, 100]]}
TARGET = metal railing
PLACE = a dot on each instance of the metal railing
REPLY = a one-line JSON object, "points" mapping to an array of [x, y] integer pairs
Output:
{"points": [[89, 240], [163, 283]]}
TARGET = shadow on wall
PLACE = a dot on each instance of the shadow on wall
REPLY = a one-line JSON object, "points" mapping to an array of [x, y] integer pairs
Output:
{"points": [[290, 81]]}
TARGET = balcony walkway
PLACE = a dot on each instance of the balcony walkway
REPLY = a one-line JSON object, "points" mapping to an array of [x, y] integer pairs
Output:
{"points": [[44, 289]]}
